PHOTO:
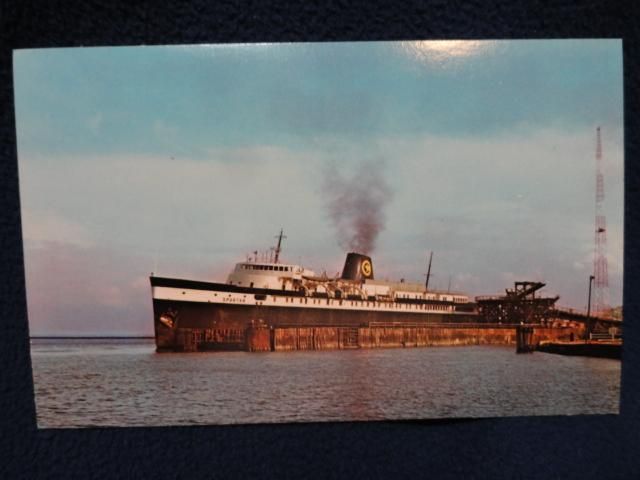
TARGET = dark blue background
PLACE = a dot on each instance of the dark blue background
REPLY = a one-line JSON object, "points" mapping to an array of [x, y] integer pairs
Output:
{"points": [[536, 447]]}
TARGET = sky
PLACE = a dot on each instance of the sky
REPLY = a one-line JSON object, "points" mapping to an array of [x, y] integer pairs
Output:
{"points": [[181, 160]]}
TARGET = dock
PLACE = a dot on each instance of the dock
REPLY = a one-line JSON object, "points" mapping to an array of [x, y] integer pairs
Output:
{"points": [[585, 348], [262, 338]]}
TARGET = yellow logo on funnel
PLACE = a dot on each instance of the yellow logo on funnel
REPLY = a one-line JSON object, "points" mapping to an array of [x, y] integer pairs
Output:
{"points": [[366, 268]]}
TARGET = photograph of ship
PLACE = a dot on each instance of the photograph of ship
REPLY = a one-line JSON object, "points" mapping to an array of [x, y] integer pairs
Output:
{"points": [[265, 233]]}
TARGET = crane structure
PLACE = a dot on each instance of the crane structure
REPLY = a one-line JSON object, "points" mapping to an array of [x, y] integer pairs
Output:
{"points": [[519, 305]]}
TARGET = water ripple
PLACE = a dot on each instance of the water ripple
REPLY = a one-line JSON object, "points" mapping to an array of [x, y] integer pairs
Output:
{"points": [[112, 384]]}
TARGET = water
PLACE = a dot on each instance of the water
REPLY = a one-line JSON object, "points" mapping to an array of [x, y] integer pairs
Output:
{"points": [[82, 383]]}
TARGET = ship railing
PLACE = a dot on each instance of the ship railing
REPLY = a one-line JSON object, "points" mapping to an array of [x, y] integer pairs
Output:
{"points": [[481, 298]]}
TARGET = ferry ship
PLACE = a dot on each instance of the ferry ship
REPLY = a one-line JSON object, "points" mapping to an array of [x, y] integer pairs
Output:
{"points": [[274, 294]]}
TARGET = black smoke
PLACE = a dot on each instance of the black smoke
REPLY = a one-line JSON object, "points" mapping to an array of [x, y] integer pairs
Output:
{"points": [[355, 204]]}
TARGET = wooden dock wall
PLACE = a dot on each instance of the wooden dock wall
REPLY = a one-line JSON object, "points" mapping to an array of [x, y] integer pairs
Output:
{"points": [[332, 338], [261, 339]]}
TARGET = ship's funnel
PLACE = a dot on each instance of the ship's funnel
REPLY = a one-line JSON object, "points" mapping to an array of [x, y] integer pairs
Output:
{"points": [[357, 267]]}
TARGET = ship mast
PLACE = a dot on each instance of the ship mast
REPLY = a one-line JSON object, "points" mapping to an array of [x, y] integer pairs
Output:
{"points": [[278, 249], [426, 284]]}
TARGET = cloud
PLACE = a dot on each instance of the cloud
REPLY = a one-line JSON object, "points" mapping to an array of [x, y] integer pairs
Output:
{"points": [[137, 97], [79, 290], [94, 122], [513, 203], [74, 290], [164, 131], [40, 227], [514, 207], [175, 211]]}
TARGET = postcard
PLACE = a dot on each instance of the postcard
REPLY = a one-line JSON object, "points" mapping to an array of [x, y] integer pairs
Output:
{"points": [[315, 232]]}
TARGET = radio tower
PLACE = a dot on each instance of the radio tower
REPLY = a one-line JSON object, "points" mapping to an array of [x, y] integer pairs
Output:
{"points": [[601, 293]]}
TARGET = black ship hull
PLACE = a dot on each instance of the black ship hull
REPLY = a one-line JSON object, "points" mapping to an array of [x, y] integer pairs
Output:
{"points": [[224, 327]]}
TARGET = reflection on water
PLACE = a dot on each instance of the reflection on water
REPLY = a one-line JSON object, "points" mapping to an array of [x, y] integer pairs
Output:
{"points": [[124, 382]]}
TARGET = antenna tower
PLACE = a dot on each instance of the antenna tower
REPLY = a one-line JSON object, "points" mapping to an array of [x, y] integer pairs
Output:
{"points": [[601, 293]]}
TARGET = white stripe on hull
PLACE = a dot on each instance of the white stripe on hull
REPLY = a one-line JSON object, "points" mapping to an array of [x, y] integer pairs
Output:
{"points": [[232, 298]]}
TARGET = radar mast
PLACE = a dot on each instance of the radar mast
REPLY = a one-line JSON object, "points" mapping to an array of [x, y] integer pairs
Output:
{"points": [[278, 247]]}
